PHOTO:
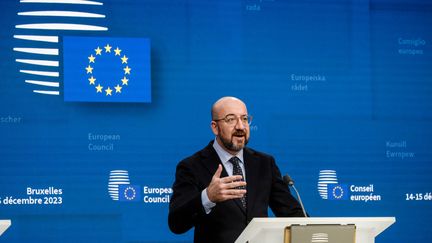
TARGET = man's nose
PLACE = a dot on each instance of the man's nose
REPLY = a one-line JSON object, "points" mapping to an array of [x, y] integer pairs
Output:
{"points": [[240, 125]]}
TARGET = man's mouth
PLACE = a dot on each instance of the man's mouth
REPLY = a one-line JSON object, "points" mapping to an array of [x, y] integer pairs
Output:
{"points": [[239, 134]]}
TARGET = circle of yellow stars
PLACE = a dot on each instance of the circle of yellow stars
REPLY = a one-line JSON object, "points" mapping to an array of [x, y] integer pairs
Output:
{"points": [[124, 61]]}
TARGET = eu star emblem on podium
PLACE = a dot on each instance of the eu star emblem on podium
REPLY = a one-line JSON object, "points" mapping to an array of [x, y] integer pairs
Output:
{"points": [[106, 69]]}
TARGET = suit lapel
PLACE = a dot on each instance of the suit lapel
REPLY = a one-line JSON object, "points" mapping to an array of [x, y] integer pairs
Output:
{"points": [[211, 161], [252, 177]]}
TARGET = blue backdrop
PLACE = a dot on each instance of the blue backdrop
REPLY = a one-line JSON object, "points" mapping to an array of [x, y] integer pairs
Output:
{"points": [[338, 89]]}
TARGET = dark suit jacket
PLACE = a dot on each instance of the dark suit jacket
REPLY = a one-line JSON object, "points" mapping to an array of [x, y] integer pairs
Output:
{"points": [[265, 188]]}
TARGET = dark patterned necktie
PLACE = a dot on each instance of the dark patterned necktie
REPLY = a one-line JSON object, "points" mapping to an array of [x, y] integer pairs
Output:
{"points": [[237, 170]]}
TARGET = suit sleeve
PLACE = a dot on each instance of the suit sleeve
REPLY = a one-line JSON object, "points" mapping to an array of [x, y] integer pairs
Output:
{"points": [[185, 205], [282, 203]]}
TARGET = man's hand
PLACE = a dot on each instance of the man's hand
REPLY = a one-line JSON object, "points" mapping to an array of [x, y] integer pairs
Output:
{"points": [[222, 189]]}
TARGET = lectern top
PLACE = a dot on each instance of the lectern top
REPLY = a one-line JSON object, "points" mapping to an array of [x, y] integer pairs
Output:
{"points": [[375, 225]]}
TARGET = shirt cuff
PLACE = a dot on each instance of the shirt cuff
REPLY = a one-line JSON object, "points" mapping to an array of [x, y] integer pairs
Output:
{"points": [[207, 204]]}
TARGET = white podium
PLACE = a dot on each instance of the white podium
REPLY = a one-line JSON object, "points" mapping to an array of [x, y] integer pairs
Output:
{"points": [[4, 225], [272, 230]]}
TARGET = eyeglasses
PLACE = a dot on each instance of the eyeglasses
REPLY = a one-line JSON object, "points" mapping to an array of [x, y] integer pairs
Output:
{"points": [[232, 119]]}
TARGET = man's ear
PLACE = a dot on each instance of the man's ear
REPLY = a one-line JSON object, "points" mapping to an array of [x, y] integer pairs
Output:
{"points": [[214, 127]]}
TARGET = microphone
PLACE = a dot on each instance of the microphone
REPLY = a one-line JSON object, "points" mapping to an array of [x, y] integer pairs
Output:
{"points": [[287, 179]]}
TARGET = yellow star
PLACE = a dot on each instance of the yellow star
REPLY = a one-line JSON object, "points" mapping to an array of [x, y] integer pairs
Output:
{"points": [[117, 51], [127, 70], [91, 58], [124, 81], [124, 59], [92, 80], [107, 48], [108, 91], [89, 69], [99, 88], [98, 51], [118, 88]]}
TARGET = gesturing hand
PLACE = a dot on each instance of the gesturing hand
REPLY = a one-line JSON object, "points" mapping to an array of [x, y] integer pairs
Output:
{"points": [[222, 189]]}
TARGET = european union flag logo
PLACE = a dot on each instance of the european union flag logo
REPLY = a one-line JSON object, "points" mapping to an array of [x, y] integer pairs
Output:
{"points": [[105, 69], [337, 192], [129, 193]]}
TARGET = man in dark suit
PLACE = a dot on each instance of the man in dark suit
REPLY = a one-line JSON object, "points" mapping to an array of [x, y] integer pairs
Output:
{"points": [[219, 189]]}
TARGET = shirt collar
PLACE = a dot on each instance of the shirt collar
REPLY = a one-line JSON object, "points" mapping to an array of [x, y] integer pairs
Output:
{"points": [[224, 156]]}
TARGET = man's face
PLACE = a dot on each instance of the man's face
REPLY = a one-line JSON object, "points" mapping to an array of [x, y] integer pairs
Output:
{"points": [[232, 137]]}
